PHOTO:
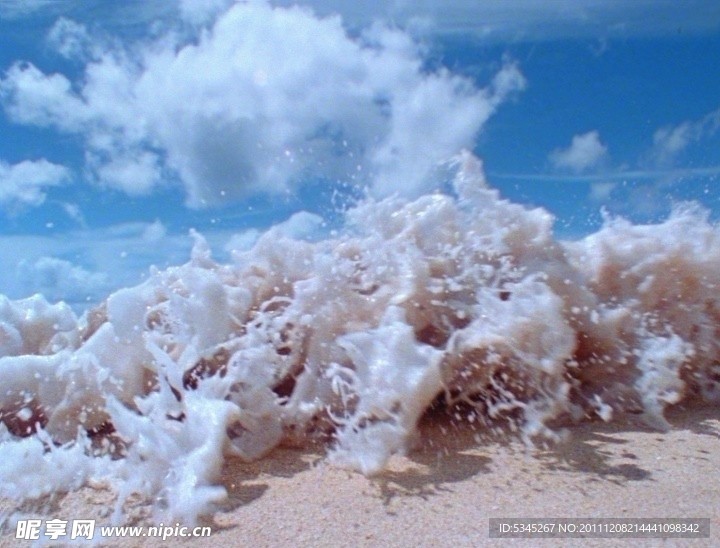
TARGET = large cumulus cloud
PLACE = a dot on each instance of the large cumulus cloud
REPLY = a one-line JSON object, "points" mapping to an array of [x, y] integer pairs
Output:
{"points": [[258, 101]]}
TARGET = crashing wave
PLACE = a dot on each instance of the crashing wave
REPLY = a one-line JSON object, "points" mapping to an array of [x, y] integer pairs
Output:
{"points": [[458, 299]]}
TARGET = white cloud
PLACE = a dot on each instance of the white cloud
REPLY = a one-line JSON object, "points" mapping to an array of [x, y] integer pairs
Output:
{"points": [[257, 102], [58, 279], [670, 141], [70, 39], [154, 232], [601, 191], [25, 183], [302, 225], [83, 266], [585, 151], [31, 97], [135, 172], [74, 212]]}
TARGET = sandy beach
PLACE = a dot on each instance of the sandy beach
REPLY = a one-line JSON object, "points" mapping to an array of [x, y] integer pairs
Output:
{"points": [[444, 491]]}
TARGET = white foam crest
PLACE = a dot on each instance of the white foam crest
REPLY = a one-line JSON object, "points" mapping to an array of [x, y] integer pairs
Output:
{"points": [[465, 301], [33, 467], [33, 326]]}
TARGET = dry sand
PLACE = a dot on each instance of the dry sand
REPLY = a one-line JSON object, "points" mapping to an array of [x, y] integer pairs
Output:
{"points": [[444, 492]]}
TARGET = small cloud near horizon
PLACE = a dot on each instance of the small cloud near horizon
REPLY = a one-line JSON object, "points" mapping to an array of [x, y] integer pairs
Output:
{"points": [[584, 152]]}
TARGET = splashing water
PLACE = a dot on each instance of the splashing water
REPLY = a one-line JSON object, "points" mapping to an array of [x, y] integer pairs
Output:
{"points": [[460, 299]]}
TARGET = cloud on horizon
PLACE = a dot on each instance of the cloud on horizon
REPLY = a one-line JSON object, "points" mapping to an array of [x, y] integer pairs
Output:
{"points": [[60, 279], [83, 266]]}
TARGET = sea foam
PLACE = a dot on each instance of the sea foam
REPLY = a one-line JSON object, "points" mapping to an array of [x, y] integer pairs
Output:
{"points": [[458, 299]]}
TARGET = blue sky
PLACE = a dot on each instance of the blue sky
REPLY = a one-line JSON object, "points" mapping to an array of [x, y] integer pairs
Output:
{"points": [[126, 124]]}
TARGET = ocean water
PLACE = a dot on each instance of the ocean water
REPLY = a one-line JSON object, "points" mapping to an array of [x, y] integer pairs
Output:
{"points": [[451, 299]]}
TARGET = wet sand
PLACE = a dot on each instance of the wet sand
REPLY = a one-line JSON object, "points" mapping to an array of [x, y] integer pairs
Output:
{"points": [[443, 492]]}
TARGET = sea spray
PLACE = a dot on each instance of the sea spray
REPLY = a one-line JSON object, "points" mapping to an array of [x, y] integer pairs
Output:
{"points": [[462, 298]]}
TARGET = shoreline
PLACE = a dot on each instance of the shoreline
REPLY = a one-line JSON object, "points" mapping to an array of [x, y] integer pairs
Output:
{"points": [[445, 490]]}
